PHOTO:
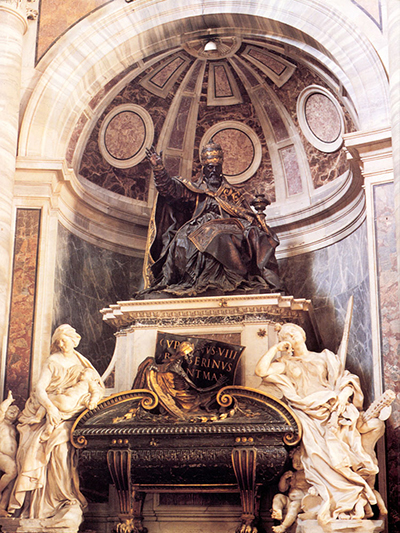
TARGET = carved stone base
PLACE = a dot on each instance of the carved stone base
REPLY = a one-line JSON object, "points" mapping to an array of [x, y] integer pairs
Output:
{"points": [[24, 525], [340, 526]]}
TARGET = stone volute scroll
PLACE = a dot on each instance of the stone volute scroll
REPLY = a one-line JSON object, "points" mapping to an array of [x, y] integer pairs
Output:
{"points": [[334, 485]]}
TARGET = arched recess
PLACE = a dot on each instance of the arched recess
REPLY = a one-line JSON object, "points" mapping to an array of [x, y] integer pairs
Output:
{"points": [[119, 37]]}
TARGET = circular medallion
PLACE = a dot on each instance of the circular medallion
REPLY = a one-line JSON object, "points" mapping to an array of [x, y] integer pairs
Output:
{"points": [[124, 134], [241, 146], [320, 118]]}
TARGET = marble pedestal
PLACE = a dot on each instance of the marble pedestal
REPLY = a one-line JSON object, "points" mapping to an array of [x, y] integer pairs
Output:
{"points": [[340, 526], [247, 320]]}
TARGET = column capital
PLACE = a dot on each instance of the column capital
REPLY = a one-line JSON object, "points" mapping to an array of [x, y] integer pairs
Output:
{"points": [[16, 8]]}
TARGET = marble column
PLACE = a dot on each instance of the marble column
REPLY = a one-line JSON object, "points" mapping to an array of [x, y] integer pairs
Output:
{"points": [[13, 25], [393, 7]]}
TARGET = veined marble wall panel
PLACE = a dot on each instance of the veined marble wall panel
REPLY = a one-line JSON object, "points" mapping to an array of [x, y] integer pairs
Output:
{"points": [[87, 279], [277, 125], [22, 309], [389, 311], [329, 277], [385, 235], [180, 125], [131, 182], [324, 167], [292, 171]]}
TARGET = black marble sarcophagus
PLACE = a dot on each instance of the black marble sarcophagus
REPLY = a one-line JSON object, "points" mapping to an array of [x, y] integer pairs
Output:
{"points": [[239, 444]]}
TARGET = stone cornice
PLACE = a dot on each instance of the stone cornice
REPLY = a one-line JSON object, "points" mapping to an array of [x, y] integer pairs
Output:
{"points": [[360, 142], [371, 151], [104, 219], [334, 211], [118, 223], [228, 310]]}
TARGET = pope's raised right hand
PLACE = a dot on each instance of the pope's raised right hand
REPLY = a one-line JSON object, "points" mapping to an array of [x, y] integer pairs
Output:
{"points": [[153, 157]]}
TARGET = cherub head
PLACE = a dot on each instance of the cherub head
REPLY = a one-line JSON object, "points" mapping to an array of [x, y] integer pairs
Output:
{"points": [[12, 413], [296, 459]]}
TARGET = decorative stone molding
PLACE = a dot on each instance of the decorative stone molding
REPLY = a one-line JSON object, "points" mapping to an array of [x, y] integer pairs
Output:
{"points": [[185, 311], [327, 216], [226, 47], [221, 71], [354, 59], [12, 3], [253, 317], [15, 7], [161, 80], [120, 224], [278, 69], [32, 14], [23, 8], [371, 151], [109, 220]]}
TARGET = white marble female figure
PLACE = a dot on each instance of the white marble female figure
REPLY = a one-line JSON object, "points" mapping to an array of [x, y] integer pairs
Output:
{"points": [[328, 400], [47, 484]]}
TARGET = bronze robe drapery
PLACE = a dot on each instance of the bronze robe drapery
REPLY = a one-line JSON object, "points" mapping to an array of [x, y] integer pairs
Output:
{"points": [[205, 242]]}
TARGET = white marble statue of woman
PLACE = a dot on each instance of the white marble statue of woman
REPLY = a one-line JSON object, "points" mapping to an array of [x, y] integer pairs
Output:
{"points": [[328, 401], [47, 485]]}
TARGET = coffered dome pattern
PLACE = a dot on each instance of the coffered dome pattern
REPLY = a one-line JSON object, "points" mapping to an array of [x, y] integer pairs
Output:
{"points": [[245, 94]]}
